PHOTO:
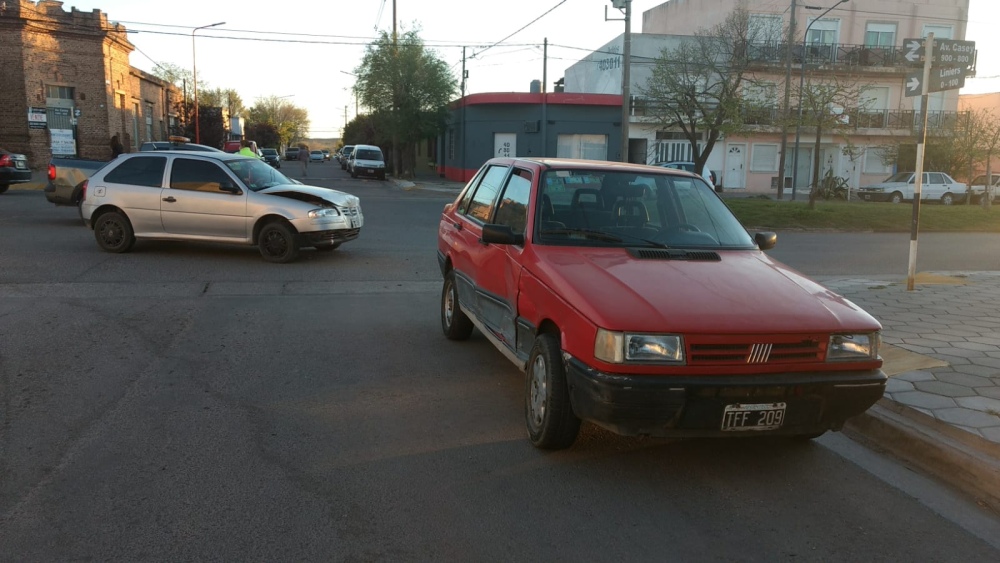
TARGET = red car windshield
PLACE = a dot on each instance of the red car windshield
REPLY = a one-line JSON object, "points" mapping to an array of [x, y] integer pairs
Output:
{"points": [[596, 207]]}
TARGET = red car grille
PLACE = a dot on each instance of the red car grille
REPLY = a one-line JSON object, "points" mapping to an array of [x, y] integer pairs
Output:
{"points": [[742, 349]]}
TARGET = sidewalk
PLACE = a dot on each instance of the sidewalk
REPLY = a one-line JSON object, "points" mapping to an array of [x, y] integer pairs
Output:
{"points": [[941, 348]]}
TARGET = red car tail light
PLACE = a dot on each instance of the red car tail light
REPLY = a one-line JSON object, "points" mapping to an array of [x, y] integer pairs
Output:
{"points": [[83, 190], [52, 172], [6, 160]]}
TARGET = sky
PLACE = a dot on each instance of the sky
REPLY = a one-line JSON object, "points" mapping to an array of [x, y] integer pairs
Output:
{"points": [[307, 50]]}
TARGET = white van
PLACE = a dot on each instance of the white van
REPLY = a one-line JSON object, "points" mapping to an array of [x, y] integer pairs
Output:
{"points": [[367, 160]]}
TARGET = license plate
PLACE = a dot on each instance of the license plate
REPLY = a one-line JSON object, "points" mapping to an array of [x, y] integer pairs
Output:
{"points": [[753, 416], [20, 165], [354, 222], [370, 170]]}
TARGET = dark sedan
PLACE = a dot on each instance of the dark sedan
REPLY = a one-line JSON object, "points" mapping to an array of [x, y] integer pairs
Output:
{"points": [[13, 169], [272, 157]]}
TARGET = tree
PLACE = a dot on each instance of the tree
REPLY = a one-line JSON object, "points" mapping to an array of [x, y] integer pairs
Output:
{"points": [[265, 134], [408, 87], [826, 105], [697, 86], [368, 130], [225, 98], [291, 122]]}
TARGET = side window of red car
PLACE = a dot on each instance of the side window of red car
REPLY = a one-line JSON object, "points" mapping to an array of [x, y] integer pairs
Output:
{"points": [[481, 206], [512, 210]]}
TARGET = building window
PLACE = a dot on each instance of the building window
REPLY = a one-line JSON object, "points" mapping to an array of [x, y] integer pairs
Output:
{"points": [[59, 92], [135, 126], [765, 158], [880, 35], [824, 32], [765, 28], [873, 162], [149, 121], [590, 147], [451, 144], [939, 31]]}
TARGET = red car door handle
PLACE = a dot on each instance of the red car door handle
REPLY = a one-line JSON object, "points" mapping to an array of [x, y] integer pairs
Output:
{"points": [[169, 199], [458, 226]]}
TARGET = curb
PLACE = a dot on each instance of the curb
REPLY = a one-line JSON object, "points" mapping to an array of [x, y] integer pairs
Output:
{"points": [[966, 461]]}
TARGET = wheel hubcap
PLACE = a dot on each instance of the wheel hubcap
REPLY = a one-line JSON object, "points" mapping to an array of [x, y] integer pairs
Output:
{"points": [[275, 244], [449, 304], [111, 233], [538, 391]]}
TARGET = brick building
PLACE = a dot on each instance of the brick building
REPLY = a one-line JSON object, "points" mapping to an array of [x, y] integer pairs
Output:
{"points": [[67, 85]]}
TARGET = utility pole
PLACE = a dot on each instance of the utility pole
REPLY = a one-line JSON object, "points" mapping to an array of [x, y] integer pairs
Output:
{"points": [[626, 77], [545, 98], [462, 101], [918, 174], [784, 110]]}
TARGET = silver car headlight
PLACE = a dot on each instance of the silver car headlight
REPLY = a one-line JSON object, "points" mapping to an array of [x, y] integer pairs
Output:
{"points": [[324, 212], [621, 347], [853, 347]]}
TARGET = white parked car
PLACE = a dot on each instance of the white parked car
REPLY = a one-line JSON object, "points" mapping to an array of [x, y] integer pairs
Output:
{"points": [[936, 186], [979, 186]]}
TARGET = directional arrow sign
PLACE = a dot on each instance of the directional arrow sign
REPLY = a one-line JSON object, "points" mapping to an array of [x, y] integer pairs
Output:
{"points": [[914, 50], [941, 79]]}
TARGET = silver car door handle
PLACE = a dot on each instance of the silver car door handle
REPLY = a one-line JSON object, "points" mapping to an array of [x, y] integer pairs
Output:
{"points": [[169, 199]]}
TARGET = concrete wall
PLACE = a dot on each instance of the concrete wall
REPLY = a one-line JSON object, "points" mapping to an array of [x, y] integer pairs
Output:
{"points": [[486, 115]]}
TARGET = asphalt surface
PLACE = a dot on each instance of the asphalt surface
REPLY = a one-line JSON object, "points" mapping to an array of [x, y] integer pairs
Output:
{"points": [[193, 402]]}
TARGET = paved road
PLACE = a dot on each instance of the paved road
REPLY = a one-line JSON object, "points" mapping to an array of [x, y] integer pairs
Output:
{"points": [[194, 402]]}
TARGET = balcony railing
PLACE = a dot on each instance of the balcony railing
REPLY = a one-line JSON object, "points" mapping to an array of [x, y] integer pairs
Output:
{"points": [[829, 53], [864, 119]]}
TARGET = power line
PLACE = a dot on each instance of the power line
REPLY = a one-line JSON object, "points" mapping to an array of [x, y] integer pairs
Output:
{"points": [[520, 30]]}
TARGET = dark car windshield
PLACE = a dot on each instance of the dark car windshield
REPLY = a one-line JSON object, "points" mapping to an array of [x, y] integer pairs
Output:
{"points": [[597, 207], [256, 174], [368, 154]]}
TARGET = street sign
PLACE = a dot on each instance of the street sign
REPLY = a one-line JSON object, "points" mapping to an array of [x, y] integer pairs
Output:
{"points": [[947, 52], [951, 52], [941, 79], [914, 50]]}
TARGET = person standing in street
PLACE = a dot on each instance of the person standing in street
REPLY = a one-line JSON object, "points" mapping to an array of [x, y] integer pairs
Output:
{"points": [[116, 147], [304, 159], [245, 149]]}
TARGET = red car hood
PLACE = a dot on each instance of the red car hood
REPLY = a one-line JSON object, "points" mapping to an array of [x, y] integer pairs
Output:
{"points": [[745, 292]]}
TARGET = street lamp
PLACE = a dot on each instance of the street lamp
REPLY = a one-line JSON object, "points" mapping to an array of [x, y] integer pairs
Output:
{"points": [[802, 80], [194, 76]]}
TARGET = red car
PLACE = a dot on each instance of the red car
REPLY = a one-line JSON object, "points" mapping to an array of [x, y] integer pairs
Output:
{"points": [[633, 298]]}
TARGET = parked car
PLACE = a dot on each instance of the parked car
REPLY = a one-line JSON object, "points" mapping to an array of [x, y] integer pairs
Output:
{"points": [[978, 187], [292, 153], [900, 187], [711, 176], [214, 197], [315, 156], [175, 143], [13, 169], [271, 157], [633, 298], [367, 160], [326, 154], [345, 154], [66, 178]]}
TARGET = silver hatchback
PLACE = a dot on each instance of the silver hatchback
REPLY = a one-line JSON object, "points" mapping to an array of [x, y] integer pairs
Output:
{"points": [[214, 197]]}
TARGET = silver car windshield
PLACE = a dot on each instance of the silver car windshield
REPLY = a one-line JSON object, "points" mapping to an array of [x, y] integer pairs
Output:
{"points": [[584, 207], [256, 174]]}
